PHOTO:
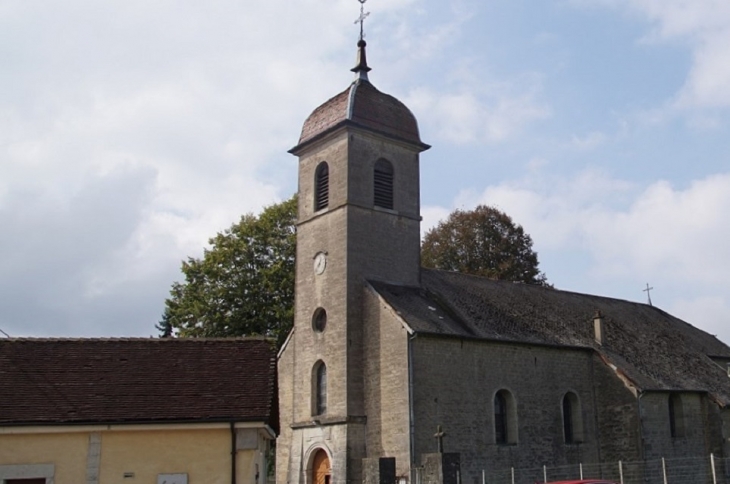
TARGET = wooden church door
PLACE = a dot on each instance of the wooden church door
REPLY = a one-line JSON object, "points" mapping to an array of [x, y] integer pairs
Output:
{"points": [[321, 468]]}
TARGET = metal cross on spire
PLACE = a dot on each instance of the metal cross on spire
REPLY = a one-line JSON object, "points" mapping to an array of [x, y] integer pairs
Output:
{"points": [[648, 293], [362, 17]]}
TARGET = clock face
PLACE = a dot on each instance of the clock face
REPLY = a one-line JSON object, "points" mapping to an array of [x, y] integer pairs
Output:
{"points": [[320, 262]]}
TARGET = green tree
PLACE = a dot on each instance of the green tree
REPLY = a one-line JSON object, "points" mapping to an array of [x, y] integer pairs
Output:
{"points": [[243, 285], [485, 242]]}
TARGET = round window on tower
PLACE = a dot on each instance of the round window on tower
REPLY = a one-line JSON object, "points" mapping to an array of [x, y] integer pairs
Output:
{"points": [[319, 320]]}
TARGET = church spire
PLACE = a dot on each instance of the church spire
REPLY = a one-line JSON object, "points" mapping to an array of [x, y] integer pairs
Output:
{"points": [[361, 69]]}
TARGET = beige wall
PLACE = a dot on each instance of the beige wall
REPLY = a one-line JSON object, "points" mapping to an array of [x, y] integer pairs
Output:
{"points": [[204, 454], [67, 452], [386, 383]]}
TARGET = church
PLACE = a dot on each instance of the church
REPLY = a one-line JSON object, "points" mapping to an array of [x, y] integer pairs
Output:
{"points": [[393, 372]]}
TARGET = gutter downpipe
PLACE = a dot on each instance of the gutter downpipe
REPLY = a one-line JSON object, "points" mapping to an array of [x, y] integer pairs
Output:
{"points": [[410, 403], [233, 452]]}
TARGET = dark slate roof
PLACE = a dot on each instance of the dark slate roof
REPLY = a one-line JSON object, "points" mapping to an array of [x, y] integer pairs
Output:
{"points": [[651, 347], [89, 381], [363, 105]]}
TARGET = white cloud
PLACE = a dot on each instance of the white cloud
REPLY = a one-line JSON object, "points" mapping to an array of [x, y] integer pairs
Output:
{"points": [[431, 216], [705, 26], [589, 141], [675, 233], [131, 132], [676, 238], [479, 111]]}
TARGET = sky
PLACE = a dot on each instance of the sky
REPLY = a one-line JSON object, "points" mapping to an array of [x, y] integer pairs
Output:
{"points": [[133, 131]]}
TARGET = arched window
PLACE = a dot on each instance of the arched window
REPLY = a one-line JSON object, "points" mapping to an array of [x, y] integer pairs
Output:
{"points": [[319, 388], [500, 418], [505, 418], [321, 186], [676, 416], [383, 184], [572, 419]]}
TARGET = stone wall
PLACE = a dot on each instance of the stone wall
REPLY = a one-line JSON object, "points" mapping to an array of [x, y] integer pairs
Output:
{"points": [[361, 242], [455, 382], [284, 450], [386, 384], [697, 432]]}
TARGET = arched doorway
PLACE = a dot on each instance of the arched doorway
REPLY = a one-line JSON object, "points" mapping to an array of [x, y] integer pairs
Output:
{"points": [[321, 471]]}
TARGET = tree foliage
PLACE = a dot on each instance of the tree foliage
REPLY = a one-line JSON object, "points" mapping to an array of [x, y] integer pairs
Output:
{"points": [[484, 242], [243, 285]]}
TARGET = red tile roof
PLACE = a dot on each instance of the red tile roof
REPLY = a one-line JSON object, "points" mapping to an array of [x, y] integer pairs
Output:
{"points": [[363, 105], [89, 381]]}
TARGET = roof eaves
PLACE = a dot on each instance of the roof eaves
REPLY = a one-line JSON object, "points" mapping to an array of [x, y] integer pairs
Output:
{"points": [[285, 344], [488, 339], [296, 150], [80, 423]]}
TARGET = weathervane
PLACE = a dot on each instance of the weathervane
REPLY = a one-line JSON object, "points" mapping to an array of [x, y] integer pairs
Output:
{"points": [[362, 17]]}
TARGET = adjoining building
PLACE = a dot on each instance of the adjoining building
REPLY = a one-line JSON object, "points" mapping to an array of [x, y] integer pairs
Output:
{"points": [[384, 355], [136, 410]]}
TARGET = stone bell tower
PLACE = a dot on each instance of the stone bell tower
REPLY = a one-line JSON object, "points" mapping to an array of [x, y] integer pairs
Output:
{"points": [[359, 220]]}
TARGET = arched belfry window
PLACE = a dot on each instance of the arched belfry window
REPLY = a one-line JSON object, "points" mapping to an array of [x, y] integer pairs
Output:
{"points": [[505, 418], [383, 184], [321, 186], [319, 388], [676, 416], [572, 419]]}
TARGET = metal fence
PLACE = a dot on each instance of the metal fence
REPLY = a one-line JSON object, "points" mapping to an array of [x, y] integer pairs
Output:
{"points": [[703, 470]]}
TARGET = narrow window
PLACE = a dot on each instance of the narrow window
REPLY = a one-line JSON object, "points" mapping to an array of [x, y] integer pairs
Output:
{"points": [[321, 186], [572, 419], [383, 184], [676, 416], [500, 418], [568, 419], [320, 388], [505, 418]]}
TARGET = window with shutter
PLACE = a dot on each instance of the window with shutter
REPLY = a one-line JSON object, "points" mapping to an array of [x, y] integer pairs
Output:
{"points": [[383, 184], [321, 186]]}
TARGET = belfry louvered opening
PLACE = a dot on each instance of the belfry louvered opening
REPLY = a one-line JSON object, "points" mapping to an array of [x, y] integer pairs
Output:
{"points": [[321, 186], [383, 184]]}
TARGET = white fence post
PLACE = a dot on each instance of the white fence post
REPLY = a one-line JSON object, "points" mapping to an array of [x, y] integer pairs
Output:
{"points": [[484, 477], [581, 471], [458, 477], [544, 473], [513, 475], [712, 464], [621, 471], [664, 470]]}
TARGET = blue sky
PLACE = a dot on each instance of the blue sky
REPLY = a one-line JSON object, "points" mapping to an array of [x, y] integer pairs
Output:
{"points": [[132, 131]]}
